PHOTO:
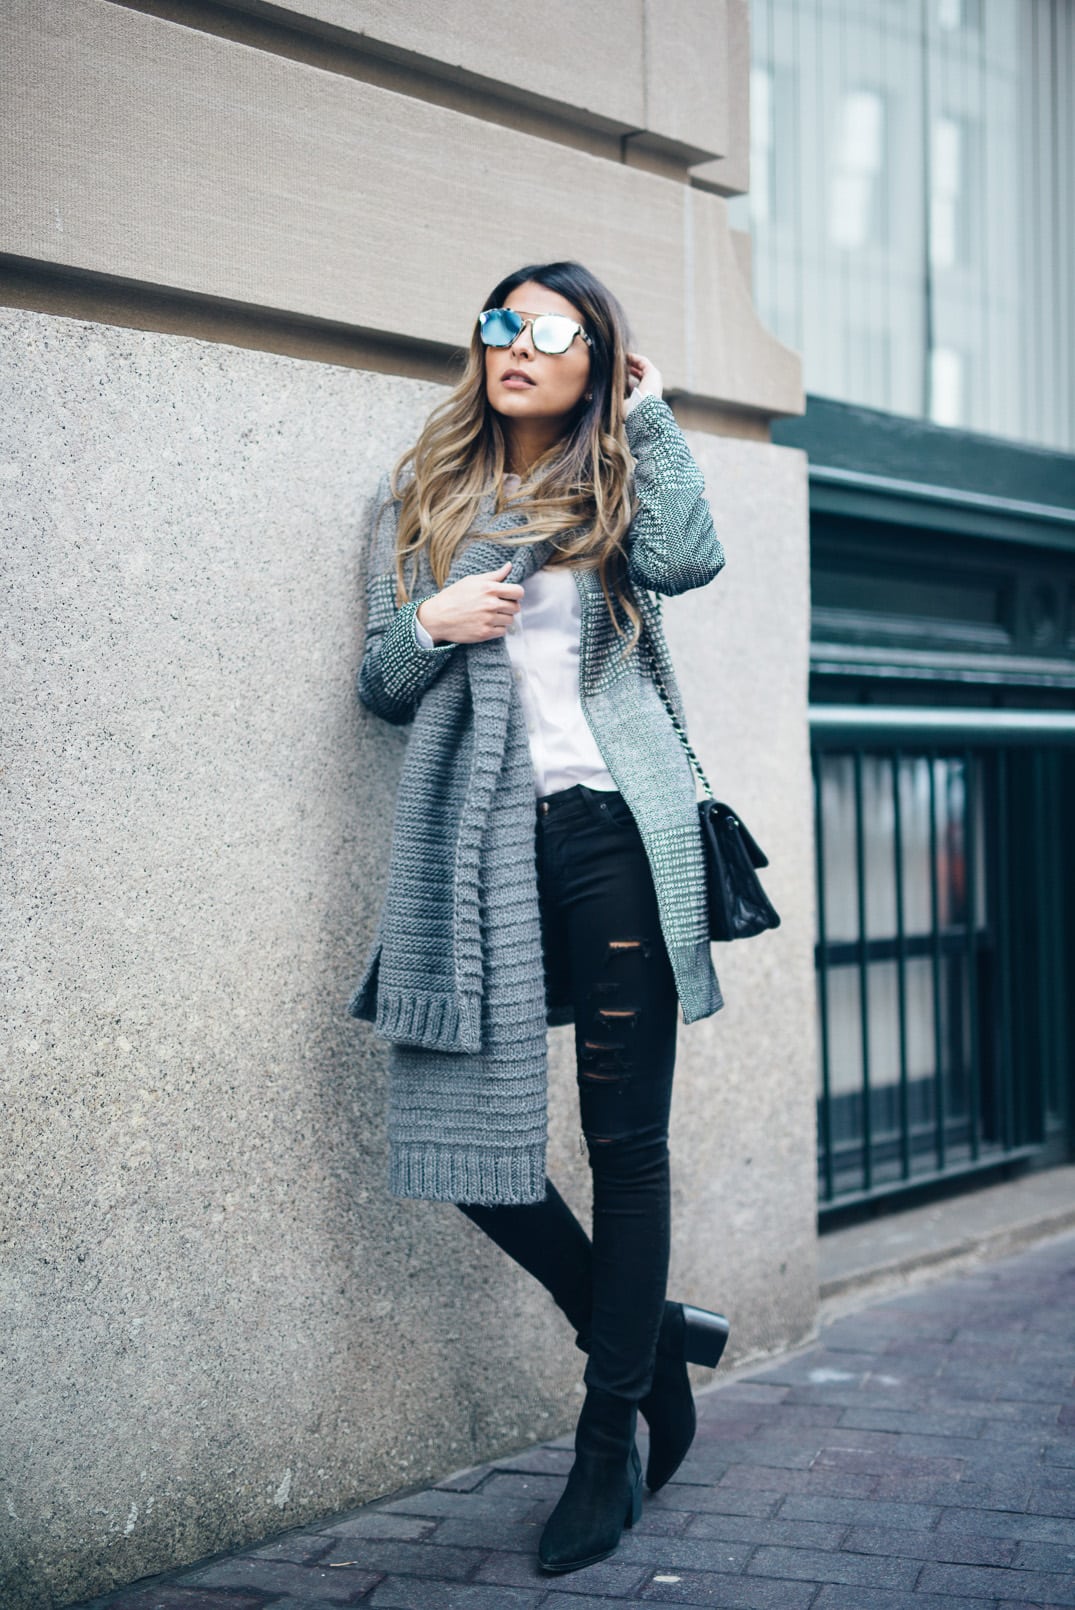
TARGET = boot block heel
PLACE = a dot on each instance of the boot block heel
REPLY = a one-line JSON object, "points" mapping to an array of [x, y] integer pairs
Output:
{"points": [[704, 1336]]}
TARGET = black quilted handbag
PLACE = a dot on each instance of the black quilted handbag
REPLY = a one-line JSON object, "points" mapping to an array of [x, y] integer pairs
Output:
{"points": [[738, 905]]}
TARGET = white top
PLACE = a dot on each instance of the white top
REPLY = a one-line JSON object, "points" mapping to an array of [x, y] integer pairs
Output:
{"points": [[543, 646]]}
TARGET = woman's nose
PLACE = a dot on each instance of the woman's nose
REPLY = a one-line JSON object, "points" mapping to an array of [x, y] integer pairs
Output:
{"points": [[522, 342]]}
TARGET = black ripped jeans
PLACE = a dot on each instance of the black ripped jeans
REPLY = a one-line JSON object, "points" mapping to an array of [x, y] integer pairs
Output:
{"points": [[604, 951]]}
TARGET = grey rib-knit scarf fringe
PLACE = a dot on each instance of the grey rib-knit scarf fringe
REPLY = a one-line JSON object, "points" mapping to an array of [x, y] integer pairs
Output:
{"points": [[455, 979]]}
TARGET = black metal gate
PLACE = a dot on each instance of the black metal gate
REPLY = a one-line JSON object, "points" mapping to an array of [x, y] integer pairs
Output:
{"points": [[944, 953]]}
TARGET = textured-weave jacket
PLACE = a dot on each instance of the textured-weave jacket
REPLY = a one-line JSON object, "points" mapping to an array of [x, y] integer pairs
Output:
{"points": [[454, 977]]}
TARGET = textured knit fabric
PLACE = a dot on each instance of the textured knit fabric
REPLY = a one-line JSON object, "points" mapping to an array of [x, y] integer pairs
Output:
{"points": [[543, 641], [454, 978]]}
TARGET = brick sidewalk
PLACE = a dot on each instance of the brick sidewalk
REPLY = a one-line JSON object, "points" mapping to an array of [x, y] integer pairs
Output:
{"points": [[922, 1454]]}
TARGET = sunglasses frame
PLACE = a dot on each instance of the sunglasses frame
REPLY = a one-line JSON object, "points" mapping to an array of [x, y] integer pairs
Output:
{"points": [[530, 319]]}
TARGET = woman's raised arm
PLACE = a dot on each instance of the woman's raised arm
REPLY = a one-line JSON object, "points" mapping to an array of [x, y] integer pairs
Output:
{"points": [[396, 670], [671, 543]]}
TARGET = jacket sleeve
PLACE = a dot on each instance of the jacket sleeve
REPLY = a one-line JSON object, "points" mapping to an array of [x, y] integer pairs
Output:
{"points": [[396, 670], [671, 543]]}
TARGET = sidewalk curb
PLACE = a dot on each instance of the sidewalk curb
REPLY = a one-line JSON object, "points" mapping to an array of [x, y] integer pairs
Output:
{"points": [[845, 1293]]}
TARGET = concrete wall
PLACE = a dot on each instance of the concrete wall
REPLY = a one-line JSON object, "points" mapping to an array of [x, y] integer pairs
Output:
{"points": [[238, 245], [219, 1322]]}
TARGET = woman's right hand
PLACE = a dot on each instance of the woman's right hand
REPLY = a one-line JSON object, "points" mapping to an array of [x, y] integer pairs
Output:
{"points": [[472, 609]]}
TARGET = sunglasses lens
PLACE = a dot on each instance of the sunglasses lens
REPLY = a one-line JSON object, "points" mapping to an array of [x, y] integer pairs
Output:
{"points": [[499, 326], [553, 333]]}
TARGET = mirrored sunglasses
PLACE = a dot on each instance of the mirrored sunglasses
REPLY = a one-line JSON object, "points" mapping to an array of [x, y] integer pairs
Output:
{"points": [[550, 332]]}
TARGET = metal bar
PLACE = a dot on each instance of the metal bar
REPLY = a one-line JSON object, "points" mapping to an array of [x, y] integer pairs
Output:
{"points": [[823, 985], [901, 972], [1006, 1068], [935, 1177], [1064, 953], [1052, 961], [952, 497], [970, 872], [855, 723], [1044, 876], [938, 1044], [864, 972]]}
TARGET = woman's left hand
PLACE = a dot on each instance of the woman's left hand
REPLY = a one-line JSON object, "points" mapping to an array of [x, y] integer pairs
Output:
{"points": [[643, 377]]}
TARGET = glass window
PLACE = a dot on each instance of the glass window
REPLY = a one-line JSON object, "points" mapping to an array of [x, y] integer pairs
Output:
{"points": [[911, 206]]}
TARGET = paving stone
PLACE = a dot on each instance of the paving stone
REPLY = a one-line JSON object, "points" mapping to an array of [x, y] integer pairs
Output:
{"points": [[983, 1581], [951, 1547], [1047, 1556], [1049, 1500], [464, 1481], [661, 1522], [436, 1502], [760, 1389], [300, 1548], [519, 1536], [612, 1577], [758, 1529], [728, 1592], [836, 1597], [720, 1499], [302, 1582], [564, 1599], [822, 1482], [510, 1485], [801, 1414], [875, 1462], [1032, 1421], [539, 1461], [301, 1604], [1020, 1604], [405, 1593], [790, 1453], [385, 1556], [380, 1523], [179, 1598], [686, 1553], [856, 1512], [913, 1421], [817, 1565], [999, 1523], [1000, 1492]]}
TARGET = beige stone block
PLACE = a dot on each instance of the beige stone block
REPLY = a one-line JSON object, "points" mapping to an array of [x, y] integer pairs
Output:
{"points": [[584, 61], [175, 159], [652, 69], [743, 247], [687, 85], [729, 339], [729, 174]]}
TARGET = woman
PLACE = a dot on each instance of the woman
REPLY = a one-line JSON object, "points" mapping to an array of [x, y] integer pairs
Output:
{"points": [[513, 556]]}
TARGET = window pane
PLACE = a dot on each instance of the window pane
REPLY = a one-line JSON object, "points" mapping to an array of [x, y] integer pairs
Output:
{"points": [[838, 819]]}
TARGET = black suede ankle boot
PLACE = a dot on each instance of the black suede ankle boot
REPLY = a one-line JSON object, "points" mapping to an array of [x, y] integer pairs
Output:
{"points": [[604, 1487], [687, 1336]]}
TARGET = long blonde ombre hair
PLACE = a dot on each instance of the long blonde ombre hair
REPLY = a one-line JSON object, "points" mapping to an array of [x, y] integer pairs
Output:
{"points": [[579, 494]]}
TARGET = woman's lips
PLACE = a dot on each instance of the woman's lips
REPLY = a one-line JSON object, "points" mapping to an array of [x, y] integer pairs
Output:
{"points": [[515, 379]]}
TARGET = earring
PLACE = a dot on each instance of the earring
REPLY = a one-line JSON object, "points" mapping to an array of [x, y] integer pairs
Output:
{"points": [[588, 397]]}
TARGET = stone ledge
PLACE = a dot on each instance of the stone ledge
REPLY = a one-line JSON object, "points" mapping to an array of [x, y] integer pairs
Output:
{"points": [[939, 1237]]}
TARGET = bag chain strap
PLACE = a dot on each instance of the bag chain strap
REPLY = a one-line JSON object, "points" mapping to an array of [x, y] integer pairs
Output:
{"points": [[670, 707]]}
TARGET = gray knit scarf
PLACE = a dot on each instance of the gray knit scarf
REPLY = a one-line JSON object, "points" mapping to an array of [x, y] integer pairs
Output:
{"points": [[455, 977]]}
